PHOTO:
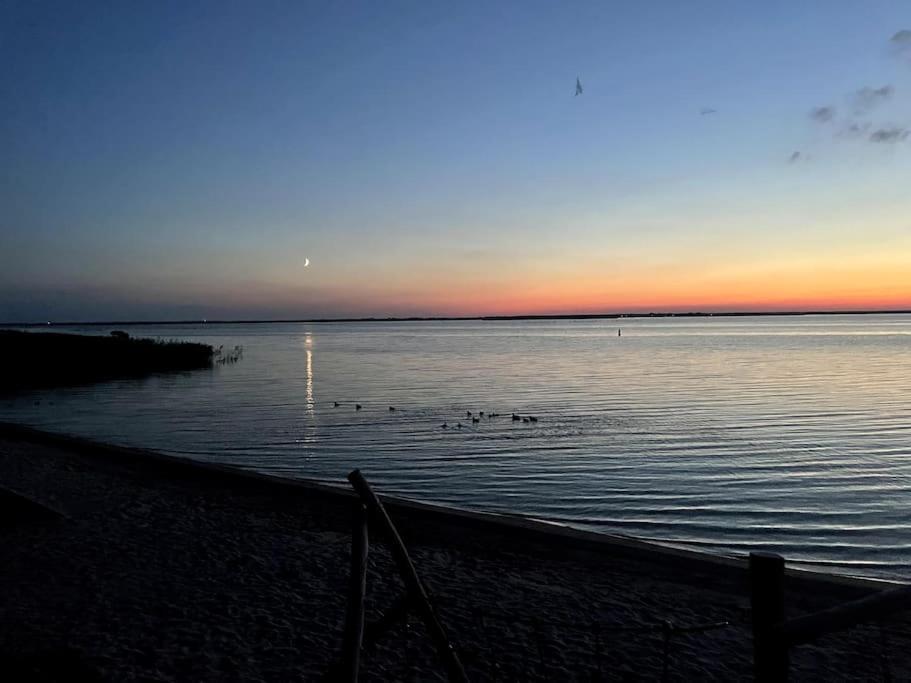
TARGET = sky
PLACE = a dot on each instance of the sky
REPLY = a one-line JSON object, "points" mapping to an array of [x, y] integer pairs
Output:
{"points": [[174, 161]]}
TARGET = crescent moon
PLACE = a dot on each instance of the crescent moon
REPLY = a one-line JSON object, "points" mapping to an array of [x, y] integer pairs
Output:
{"points": [[306, 262]]}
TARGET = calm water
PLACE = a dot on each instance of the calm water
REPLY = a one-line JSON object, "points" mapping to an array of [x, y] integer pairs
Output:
{"points": [[724, 434]]}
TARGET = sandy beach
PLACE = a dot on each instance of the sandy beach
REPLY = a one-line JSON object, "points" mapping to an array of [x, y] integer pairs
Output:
{"points": [[163, 569]]}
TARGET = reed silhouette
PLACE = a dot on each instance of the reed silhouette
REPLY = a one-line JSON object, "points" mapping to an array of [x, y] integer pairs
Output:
{"points": [[41, 359]]}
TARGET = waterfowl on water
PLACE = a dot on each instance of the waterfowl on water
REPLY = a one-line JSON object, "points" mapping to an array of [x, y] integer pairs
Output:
{"points": [[481, 413], [391, 409], [467, 413], [459, 425], [515, 418], [475, 420], [525, 420], [335, 405], [445, 426], [532, 419], [357, 406]]}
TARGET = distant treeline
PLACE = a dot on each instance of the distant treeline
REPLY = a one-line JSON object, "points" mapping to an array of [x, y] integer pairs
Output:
{"points": [[494, 318], [45, 359]]}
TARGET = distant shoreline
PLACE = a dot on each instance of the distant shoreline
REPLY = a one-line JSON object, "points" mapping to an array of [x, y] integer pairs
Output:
{"points": [[483, 318]]}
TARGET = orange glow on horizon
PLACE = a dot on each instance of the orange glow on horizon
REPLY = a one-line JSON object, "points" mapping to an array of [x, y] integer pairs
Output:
{"points": [[763, 289], [554, 286]]}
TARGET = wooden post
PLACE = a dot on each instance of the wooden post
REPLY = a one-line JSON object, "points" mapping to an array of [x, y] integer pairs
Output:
{"points": [[410, 577], [357, 587], [770, 652]]}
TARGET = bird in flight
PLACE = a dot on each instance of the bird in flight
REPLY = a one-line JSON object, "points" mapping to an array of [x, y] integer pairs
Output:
{"points": [[708, 110], [578, 87]]}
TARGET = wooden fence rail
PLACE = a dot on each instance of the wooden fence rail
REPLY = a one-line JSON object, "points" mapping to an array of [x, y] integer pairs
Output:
{"points": [[811, 626], [416, 593], [773, 635]]}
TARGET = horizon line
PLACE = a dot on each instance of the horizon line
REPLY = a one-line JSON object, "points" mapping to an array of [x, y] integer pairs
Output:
{"points": [[491, 318]]}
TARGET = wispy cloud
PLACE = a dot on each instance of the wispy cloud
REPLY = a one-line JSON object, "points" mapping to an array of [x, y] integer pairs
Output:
{"points": [[822, 114], [856, 129], [858, 121], [890, 135], [900, 43], [866, 99]]}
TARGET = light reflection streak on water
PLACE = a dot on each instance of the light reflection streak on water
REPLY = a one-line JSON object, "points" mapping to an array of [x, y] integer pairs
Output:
{"points": [[310, 404]]}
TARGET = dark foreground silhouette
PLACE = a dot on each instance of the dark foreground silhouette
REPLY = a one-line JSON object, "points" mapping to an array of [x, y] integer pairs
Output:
{"points": [[161, 569], [44, 359]]}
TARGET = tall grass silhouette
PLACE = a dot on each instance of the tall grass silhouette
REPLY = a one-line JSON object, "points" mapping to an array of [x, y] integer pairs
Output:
{"points": [[40, 359]]}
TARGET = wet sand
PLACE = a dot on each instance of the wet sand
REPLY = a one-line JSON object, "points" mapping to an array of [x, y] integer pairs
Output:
{"points": [[165, 569]]}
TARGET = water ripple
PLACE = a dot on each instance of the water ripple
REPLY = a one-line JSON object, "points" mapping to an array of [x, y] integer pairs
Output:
{"points": [[727, 434]]}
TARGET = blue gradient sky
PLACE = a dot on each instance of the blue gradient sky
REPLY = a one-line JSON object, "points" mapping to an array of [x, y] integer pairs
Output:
{"points": [[162, 161]]}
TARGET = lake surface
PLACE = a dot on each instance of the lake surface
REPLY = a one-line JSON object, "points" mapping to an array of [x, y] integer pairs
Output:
{"points": [[790, 434]]}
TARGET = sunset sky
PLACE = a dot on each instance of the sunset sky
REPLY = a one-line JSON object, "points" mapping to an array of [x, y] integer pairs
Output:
{"points": [[173, 160]]}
